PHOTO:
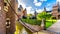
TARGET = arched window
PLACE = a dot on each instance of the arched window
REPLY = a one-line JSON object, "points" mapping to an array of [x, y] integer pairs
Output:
{"points": [[7, 23]]}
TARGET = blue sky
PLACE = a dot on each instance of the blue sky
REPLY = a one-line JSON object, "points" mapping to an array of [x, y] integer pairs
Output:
{"points": [[37, 5]]}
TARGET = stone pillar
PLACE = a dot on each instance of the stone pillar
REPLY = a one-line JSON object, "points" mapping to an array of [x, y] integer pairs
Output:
{"points": [[2, 18], [43, 24], [57, 17]]}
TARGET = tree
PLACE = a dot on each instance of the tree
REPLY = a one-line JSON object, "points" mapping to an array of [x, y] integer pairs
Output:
{"points": [[29, 15], [44, 15]]}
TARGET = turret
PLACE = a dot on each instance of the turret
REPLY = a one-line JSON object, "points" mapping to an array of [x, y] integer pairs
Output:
{"points": [[20, 8], [45, 9], [24, 13], [35, 13]]}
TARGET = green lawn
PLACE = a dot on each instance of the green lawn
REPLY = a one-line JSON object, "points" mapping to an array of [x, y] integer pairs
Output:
{"points": [[38, 22], [32, 21], [50, 22]]}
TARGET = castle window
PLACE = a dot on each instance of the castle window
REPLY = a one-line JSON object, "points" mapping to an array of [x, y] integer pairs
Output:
{"points": [[5, 4], [19, 9], [7, 23], [59, 10], [0, 7]]}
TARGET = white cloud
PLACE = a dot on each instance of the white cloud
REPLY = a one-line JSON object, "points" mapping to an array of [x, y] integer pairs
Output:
{"points": [[21, 3], [48, 4], [35, 1], [48, 9], [43, 0], [28, 9], [39, 10], [38, 4], [58, 0], [32, 12]]}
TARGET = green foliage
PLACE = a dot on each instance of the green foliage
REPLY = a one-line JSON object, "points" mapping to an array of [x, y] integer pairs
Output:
{"points": [[40, 16], [29, 15], [44, 15], [38, 22], [52, 17], [32, 21]]}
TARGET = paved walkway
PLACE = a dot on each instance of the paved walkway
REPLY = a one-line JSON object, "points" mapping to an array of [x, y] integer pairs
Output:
{"points": [[55, 27], [43, 32]]}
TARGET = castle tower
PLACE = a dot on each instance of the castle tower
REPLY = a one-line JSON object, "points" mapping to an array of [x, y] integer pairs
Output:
{"points": [[55, 11], [35, 14], [20, 11], [45, 9], [25, 12], [2, 18], [57, 3], [21, 8]]}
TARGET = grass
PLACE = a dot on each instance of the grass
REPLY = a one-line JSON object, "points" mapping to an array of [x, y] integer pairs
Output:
{"points": [[50, 22], [38, 22], [33, 22]]}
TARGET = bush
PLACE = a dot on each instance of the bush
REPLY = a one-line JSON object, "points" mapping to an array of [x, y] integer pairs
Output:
{"points": [[32, 21]]}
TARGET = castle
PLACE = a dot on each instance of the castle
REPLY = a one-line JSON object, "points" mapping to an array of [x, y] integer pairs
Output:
{"points": [[22, 12], [56, 11], [8, 12]]}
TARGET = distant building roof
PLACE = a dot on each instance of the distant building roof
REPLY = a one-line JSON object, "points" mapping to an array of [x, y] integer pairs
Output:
{"points": [[48, 11], [20, 7]]}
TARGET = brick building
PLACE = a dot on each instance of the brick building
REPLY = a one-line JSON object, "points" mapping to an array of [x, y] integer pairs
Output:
{"points": [[22, 12], [2, 18], [7, 16], [56, 11]]}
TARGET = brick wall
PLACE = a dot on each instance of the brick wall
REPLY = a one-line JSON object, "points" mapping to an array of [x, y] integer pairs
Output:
{"points": [[2, 18], [10, 14]]}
